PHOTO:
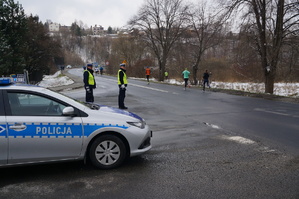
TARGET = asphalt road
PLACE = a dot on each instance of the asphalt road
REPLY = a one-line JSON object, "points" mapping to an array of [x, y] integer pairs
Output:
{"points": [[205, 145]]}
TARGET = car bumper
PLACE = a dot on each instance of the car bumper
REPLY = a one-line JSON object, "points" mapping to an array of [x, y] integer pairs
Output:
{"points": [[142, 146]]}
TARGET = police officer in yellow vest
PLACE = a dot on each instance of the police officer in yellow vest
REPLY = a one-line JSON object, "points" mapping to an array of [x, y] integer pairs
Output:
{"points": [[89, 83], [122, 84]]}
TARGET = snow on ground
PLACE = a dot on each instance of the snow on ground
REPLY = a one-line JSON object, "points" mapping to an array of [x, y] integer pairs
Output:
{"points": [[55, 80], [281, 89]]}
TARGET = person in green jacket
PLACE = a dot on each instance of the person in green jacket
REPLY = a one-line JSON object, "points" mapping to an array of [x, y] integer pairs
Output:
{"points": [[186, 75], [166, 75]]}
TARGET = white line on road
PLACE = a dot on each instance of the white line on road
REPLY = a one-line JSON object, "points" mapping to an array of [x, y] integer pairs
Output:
{"points": [[273, 112], [212, 125], [245, 141], [241, 140], [155, 89], [238, 139]]}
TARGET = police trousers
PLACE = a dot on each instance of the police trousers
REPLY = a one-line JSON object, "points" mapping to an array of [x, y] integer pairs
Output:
{"points": [[121, 97], [89, 94]]}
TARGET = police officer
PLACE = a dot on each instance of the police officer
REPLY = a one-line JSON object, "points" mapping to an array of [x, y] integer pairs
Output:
{"points": [[122, 84], [89, 83]]}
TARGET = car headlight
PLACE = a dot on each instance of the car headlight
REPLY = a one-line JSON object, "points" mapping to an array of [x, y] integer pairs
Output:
{"points": [[139, 124]]}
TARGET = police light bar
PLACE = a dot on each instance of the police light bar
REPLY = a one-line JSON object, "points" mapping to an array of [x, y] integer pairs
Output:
{"points": [[5, 81]]}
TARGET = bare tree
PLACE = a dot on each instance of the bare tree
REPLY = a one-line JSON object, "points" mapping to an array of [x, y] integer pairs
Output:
{"points": [[271, 22], [206, 27], [129, 48], [162, 22]]}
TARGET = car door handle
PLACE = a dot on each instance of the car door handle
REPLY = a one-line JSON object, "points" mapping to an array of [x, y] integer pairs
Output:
{"points": [[18, 127]]}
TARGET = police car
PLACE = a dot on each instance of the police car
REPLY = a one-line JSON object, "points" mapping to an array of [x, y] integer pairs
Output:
{"points": [[38, 125]]}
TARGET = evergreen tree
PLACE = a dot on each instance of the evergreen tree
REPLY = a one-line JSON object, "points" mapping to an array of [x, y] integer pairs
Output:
{"points": [[39, 49], [25, 43], [110, 31], [76, 30], [12, 31]]}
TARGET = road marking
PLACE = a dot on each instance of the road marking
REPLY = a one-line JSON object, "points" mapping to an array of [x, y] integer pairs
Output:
{"points": [[239, 139], [245, 141], [272, 112], [154, 89], [267, 150], [212, 125]]}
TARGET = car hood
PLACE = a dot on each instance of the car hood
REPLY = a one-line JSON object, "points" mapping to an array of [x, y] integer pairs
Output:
{"points": [[109, 109]]}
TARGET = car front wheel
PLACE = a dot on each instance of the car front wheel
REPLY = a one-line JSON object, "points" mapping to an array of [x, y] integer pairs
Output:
{"points": [[107, 152]]}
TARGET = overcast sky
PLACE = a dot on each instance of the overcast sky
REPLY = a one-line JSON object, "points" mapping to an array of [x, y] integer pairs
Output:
{"points": [[114, 13]]}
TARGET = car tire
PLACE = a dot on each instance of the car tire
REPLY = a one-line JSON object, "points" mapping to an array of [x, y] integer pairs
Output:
{"points": [[107, 152]]}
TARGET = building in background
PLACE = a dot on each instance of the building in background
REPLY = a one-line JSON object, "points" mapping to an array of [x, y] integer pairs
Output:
{"points": [[54, 27], [98, 30]]}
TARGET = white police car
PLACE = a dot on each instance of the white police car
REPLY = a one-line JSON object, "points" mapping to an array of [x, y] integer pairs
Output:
{"points": [[38, 125]]}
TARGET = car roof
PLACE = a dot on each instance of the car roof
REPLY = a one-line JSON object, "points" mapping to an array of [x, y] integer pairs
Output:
{"points": [[8, 85], [20, 86]]}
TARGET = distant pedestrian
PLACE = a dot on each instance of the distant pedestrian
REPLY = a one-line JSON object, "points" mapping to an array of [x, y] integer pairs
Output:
{"points": [[101, 70], [89, 83], [205, 79], [147, 74], [122, 84], [186, 74], [97, 70], [166, 75]]}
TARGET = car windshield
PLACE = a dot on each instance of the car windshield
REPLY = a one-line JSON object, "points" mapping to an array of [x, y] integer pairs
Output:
{"points": [[87, 104]]}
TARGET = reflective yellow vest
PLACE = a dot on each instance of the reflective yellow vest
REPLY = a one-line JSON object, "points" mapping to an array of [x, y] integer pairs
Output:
{"points": [[90, 78], [124, 79]]}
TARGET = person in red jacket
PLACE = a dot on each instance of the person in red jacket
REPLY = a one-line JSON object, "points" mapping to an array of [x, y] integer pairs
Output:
{"points": [[147, 74]]}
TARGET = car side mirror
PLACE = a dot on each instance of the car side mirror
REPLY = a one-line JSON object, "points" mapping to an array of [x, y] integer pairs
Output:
{"points": [[68, 111]]}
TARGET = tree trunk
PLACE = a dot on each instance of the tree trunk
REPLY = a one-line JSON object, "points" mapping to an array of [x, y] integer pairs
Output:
{"points": [[195, 69], [161, 74], [270, 74], [161, 70], [269, 82]]}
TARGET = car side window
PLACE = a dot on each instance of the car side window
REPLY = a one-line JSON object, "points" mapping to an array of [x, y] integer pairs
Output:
{"points": [[27, 104]]}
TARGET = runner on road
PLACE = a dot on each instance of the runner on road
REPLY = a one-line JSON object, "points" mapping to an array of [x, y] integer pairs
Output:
{"points": [[186, 74]]}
